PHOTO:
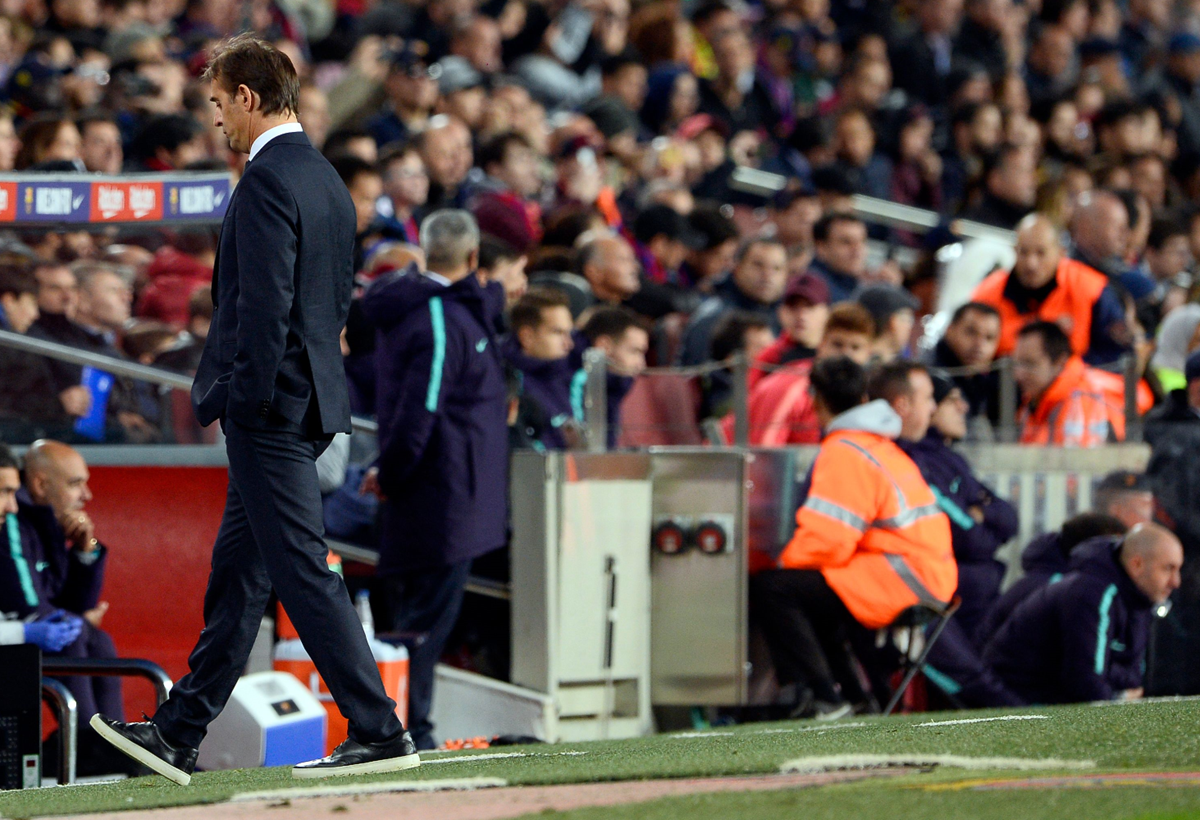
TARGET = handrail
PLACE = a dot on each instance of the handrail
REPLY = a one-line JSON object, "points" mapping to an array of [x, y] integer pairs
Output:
{"points": [[121, 367], [66, 711], [370, 557], [112, 667]]}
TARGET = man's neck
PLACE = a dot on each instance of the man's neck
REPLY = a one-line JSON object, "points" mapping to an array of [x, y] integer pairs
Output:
{"points": [[269, 122]]}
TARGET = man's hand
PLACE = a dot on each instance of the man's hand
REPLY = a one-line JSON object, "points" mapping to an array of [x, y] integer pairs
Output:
{"points": [[55, 633], [79, 529], [76, 401], [976, 512], [370, 485], [1133, 694], [96, 615]]}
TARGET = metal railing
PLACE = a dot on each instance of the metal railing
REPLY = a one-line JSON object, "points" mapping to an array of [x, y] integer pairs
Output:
{"points": [[121, 367]]}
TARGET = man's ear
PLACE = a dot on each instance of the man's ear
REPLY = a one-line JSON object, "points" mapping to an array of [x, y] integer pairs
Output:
{"points": [[247, 99]]}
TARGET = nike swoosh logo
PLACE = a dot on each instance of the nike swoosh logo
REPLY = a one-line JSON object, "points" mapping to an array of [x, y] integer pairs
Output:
{"points": [[78, 201], [41, 565], [219, 198], [481, 345]]}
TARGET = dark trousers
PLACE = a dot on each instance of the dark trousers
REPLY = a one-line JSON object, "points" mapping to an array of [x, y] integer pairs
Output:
{"points": [[955, 667], [808, 631], [93, 693], [425, 604], [271, 536]]}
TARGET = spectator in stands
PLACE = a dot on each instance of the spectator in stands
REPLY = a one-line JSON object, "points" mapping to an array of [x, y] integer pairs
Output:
{"points": [[1044, 284], [803, 314], [1063, 403], [31, 403], [1161, 282], [1045, 560], [609, 265], [664, 239], [781, 407], [893, 310], [405, 188], [840, 242], [505, 199], [501, 262], [443, 462], [100, 146], [854, 143], [980, 523], [168, 142], [538, 349], [1174, 345], [59, 565], [178, 270], [363, 181], [794, 213], [705, 266], [412, 92], [1009, 188], [923, 60], [1084, 638], [446, 149], [1100, 229], [970, 344], [851, 566], [618, 332], [185, 355], [1173, 432], [756, 285], [58, 292]]}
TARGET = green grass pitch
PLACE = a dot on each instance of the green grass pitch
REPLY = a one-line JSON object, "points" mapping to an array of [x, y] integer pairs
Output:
{"points": [[1144, 737]]}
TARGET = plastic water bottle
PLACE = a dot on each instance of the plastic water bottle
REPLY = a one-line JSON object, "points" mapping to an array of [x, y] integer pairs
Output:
{"points": [[362, 603]]}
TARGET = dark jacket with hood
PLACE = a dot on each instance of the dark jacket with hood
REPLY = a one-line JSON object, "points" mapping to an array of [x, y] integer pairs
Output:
{"points": [[975, 543], [727, 296], [1082, 639], [38, 572], [442, 412], [1043, 562]]}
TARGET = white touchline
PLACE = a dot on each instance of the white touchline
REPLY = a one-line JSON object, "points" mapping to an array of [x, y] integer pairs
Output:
{"points": [[812, 765], [349, 789], [499, 756], [983, 720]]}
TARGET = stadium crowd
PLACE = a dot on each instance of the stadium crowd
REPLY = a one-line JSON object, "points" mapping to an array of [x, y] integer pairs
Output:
{"points": [[673, 184]]}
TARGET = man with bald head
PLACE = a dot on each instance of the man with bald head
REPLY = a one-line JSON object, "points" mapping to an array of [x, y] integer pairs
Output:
{"points": [[58, 564], [1084, 638], [610, 266], [1099, 228], [1045, 284]]}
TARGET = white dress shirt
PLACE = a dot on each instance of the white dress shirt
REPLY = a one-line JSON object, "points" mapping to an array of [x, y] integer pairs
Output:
{"points": [[270, 134]]}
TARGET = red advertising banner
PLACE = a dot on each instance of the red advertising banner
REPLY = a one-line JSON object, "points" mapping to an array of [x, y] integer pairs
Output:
{"points": [[126, 201]]}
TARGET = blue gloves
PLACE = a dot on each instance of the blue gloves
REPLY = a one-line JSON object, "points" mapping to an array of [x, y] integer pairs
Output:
{"points": [[54, 633]]}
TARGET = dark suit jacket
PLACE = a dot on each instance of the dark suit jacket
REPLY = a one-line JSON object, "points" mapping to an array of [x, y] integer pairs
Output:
{"points": [[281, 292]]}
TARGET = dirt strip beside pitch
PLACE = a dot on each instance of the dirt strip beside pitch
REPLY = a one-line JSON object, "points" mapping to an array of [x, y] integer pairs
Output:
{"points": [[493, 803]]}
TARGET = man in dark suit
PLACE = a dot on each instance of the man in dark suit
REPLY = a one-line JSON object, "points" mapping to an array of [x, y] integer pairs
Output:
{"points": [[272, 373]]}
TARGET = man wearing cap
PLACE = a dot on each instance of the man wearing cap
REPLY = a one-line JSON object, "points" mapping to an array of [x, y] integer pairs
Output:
{"points": [[756, 286], [894, 311], [1126, 496], [804, 311], [412, 92]]}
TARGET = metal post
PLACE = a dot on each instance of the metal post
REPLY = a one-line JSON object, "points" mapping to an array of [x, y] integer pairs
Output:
{"points": [[595, 400], [66, 710], [741, 400], [1007, 434], [1133, 419], [112, 667]]}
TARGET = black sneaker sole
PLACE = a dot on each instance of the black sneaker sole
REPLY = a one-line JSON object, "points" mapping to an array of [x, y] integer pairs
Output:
{"points": [[131, 749], [391, 764]]}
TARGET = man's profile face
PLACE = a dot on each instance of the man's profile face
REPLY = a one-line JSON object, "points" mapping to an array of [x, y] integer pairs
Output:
{"points": [[1033, 369], [10, 482], [230, 116], [551, 339], [974, 337], [627, 354], [64, 484], [1157, 574]]}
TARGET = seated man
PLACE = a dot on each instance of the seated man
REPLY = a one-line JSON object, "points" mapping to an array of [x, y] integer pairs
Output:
{"points": [[1062, 403], [618, 332], [781, 407], [968, 348], [1045, 560], [538, 351], [58, 565], [870, 542], [1084, 638], [804, 312]]}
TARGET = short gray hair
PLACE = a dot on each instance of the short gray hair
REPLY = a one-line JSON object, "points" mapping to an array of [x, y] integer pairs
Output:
{"points": [[448, 237]]}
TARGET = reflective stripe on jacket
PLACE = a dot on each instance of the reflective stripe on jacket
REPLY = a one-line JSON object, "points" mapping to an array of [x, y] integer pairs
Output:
{"points": [[871, 524], [1075, 411]]}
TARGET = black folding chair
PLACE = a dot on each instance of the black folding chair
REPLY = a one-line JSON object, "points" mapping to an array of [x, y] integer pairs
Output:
{"points": [[917, 619]]}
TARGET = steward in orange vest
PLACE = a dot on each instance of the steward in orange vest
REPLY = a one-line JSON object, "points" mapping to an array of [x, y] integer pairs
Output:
{"points": [[1065, 402], [1045, 285], [870, 542]]}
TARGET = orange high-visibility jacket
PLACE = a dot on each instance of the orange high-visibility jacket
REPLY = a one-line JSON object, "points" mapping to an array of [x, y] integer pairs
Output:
{"points": [[871, 524], [1070, 304], [1076, 410]]}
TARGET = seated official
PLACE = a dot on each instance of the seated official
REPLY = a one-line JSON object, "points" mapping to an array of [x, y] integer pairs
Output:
{"points": [[968, 349], [1084, 638], [1045, 560], [538, 351], [620, 334], [870, 542]]}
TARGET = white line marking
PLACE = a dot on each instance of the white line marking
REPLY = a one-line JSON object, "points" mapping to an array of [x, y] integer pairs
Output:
{"points": [[349, 789], [809, 765], [965, 721], [690, 735], [499, 756], [821, 727]]}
